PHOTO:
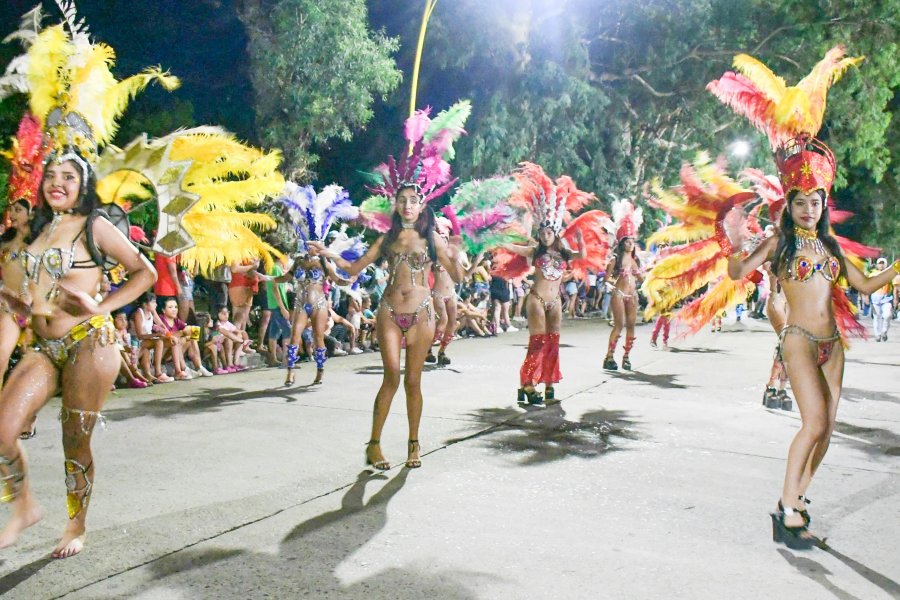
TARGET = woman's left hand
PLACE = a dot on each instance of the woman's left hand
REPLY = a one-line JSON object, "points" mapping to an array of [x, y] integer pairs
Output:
{"points": [[77, 302]]}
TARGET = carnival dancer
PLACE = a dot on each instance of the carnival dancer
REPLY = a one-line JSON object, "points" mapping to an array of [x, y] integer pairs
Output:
{"points": [[807, 260], [411, 246], [775, 395], [313, 216], [443, 290], [624, 272], [551, 203], [479, 211], [58, 275], [26, 159], [663, 324]]}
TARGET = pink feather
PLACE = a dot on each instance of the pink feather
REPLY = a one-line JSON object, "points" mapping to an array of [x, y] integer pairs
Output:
{"points": [[415, 127]]}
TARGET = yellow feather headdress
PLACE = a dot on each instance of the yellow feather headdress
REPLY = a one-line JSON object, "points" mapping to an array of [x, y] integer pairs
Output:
{"points": [[780, 111], [72, 89]]}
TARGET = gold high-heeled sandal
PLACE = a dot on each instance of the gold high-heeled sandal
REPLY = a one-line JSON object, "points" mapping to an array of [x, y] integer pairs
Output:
{"points": [[381, 465], [413, 463]]}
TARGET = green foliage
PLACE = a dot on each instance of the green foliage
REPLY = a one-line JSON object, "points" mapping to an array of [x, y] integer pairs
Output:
{"points": [[613, 94], [316, 69]]}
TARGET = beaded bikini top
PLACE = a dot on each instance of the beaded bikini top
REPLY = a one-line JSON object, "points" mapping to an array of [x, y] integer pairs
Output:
{"points": [[416, 261], [802, 268], [551, 266]]}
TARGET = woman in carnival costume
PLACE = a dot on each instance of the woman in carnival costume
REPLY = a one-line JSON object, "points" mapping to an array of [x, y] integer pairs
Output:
{"points": [[411, 246], [550, 202], [313, 215], [808, 261], [479, 212], [57, 277], [624, 273], [26, 159]]}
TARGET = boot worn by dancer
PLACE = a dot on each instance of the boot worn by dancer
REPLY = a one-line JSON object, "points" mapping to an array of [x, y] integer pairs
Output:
{"points": [[430, 359], [293, 357], [626, 362], [443, 359], [549, 393], [379, 464], [609, 362], [413, 461], [319, 354]]}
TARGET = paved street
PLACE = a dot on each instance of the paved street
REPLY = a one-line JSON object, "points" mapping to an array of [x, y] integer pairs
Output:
{"points": [[655, 483]]}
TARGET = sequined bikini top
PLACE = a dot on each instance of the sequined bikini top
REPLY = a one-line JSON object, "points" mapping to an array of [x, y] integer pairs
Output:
{"points": [[416, 261], [551, 266], [802, 268], [55, 262]]}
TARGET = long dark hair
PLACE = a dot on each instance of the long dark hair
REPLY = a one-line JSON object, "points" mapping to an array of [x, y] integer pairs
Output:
{"points": [[787, 241], [87, 202], [424, 226], [620, 252], [10, 233]]}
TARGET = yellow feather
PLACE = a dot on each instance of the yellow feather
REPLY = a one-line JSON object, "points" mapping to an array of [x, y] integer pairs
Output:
{"points": [[826, 73], [792, 113], [47, 70], [122, 185], [763, 78], [116, 99]]}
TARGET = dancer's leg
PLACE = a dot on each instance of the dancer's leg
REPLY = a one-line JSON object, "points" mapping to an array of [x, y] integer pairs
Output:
{"points": [[81, 405], [30, 385]]}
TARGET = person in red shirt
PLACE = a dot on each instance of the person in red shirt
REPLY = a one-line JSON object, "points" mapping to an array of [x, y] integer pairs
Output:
{"points": [[167, 285]]}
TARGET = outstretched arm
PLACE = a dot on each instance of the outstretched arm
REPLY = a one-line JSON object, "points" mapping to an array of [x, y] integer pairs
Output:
{"points": [[526, 251], [869, 284], [581, 252], [739, 267], [352, 268]]}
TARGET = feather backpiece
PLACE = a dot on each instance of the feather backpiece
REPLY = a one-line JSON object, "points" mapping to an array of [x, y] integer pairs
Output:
{"points": [[780, 111]]}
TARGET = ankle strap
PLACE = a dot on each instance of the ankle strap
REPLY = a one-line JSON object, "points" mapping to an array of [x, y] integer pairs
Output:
{"points": [[373, 442]]}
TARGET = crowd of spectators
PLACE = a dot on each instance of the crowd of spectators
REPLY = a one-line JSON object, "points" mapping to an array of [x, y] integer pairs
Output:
{"points": [[191, 326]]}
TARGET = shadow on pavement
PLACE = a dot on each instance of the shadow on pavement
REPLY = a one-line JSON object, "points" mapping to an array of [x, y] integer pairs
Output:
{"points": [[697, 350], [544, 435], [882, 441], [309, 556], [11, 580], [663, 380], [809, 568], [858, 395], [211, 400]]}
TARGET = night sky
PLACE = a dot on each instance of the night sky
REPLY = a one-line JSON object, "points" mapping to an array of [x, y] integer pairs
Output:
{"points": [[203, 43]]}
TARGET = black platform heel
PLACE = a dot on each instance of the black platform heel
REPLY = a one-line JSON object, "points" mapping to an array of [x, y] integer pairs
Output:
{"points": [[792, 537], [534, 397]]}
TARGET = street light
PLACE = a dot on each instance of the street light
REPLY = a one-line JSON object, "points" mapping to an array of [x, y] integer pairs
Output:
{"points": [[740, 149]]}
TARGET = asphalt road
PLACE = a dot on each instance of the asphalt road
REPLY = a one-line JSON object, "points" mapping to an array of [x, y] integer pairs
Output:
{"points": [[655, 483]]}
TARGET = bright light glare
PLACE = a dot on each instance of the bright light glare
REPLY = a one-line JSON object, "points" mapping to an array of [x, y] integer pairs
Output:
{"points": [[740, 149]]}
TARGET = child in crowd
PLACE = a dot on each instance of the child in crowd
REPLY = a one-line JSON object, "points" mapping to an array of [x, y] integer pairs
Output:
{"points": [[367, 326], [232, 342], [128, 371], [184, 340], [144, 322]]}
